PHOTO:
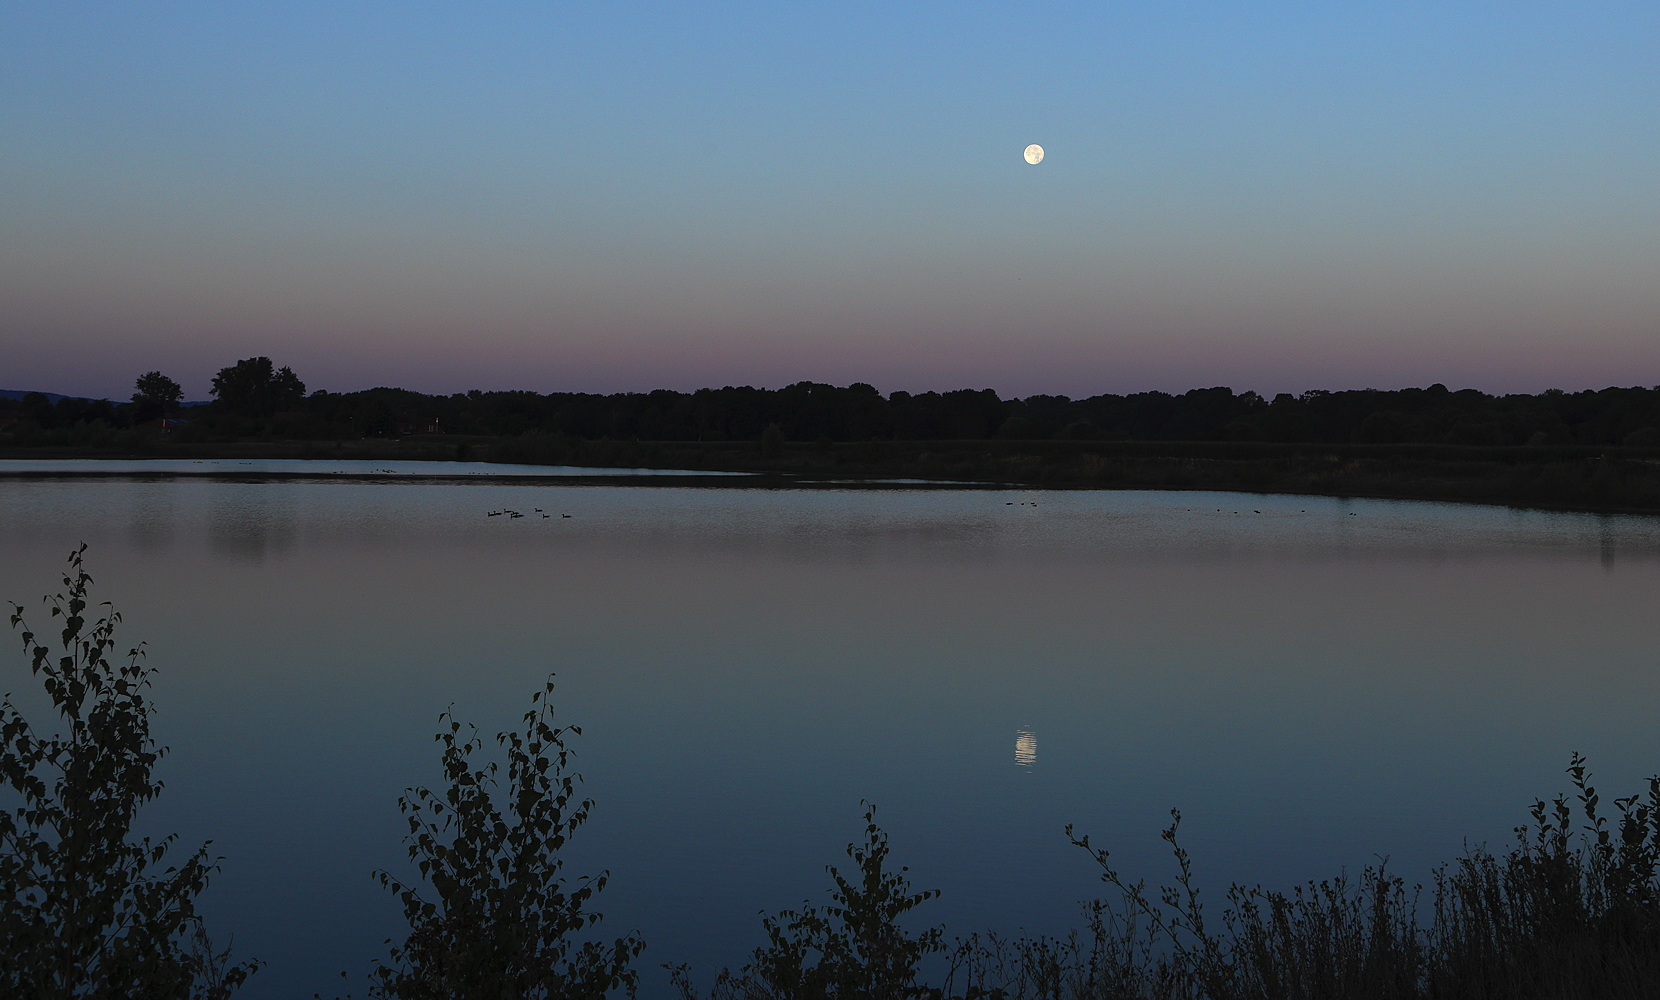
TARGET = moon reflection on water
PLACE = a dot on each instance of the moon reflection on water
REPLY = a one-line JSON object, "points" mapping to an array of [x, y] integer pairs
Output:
{"points": [[1025, 748]]}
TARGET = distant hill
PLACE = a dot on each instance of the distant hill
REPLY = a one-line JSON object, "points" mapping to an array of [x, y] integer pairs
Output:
{"points": [[53, 397]]}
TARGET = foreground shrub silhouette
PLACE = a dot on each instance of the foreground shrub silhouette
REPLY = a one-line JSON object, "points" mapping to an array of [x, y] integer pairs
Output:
{"points": [[84, 912], [501, 921], [854, 948], [1561, 914]]}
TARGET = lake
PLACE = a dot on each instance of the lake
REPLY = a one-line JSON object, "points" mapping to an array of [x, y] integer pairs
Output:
{"points": [[1315, 682]]}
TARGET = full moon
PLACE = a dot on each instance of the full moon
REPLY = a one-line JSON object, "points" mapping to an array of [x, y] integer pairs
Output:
{"points": [[1034, 154]]}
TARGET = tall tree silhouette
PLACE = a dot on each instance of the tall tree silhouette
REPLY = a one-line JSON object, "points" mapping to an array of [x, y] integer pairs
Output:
{"points": [[252, 388], [156, 396]]}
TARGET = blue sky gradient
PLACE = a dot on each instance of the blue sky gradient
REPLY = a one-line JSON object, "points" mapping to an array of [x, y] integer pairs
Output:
{"points": [[633, 196]]}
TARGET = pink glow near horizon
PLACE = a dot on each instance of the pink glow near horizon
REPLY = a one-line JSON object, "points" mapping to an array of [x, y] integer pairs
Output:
{"points": [[1273, 200]]}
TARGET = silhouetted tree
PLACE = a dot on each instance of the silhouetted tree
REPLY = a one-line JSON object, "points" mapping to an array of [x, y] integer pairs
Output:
{"points": [[84, 912], [156, 396], [854, 949], [501, 920], [251, 388]]}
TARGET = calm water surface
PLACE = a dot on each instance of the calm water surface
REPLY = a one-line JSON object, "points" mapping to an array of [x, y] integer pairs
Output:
{"points": [[1315, 682]]}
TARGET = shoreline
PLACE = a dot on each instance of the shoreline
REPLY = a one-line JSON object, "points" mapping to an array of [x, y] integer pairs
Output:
{"points": [[1564, 479]]}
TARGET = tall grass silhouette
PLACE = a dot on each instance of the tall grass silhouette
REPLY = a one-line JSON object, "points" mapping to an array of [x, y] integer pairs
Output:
{"points": [[1567, 911], [1570, 910]]}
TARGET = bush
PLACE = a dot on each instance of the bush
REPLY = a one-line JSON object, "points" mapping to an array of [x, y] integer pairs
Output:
{"points": [[502, 920], [1561, 914], [852, 949], [1558, 915], [83, 911]]}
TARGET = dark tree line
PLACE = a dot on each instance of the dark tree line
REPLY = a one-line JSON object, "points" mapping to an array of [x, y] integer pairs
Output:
{"points": [[255, 399]]}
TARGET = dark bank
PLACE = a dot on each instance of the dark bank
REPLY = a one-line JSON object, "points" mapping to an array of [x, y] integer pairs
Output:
{"points": [[1590, 450]]}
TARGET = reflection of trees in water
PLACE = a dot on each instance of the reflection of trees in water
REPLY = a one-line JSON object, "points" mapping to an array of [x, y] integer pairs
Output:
{"points": [[242, 534], [154, 518], [150, 534]]}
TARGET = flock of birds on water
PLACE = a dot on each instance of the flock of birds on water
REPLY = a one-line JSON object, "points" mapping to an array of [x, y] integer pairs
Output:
{"points": [[513, 513]]}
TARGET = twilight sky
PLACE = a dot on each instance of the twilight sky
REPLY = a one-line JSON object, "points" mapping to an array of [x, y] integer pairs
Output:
{"points": [[608, 197]]}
